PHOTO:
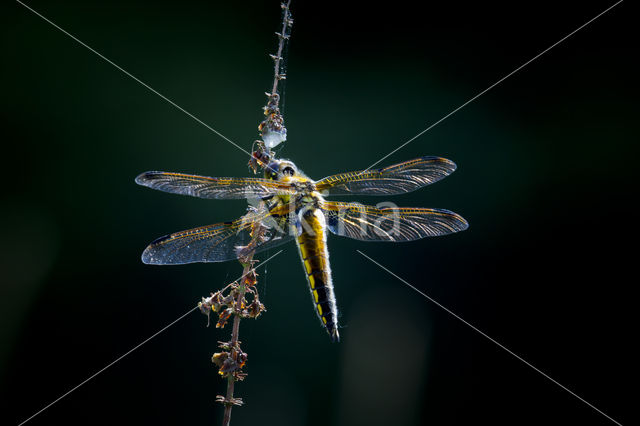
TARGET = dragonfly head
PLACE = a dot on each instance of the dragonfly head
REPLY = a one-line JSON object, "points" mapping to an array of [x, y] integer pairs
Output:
{"points": [[280, 170]]}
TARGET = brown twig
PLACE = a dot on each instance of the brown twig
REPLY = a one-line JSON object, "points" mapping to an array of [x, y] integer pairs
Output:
{"points": [[230, 401], [283, 37], [231, 300], [272, 129]]}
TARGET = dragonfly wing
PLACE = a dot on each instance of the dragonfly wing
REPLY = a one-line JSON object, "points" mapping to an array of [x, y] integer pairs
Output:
{"points": [[212, 187], [367, 223], [216, 243], [397, 179]]}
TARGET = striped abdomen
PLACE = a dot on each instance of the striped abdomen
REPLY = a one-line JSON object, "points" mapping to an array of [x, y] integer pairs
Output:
{"points": [[312, 244]]}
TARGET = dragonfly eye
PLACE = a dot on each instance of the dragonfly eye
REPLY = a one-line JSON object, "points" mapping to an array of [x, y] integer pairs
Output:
{"points": [[288, 171], [271, 172]]}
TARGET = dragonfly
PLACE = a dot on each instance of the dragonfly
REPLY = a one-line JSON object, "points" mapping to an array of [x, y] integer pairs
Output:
{"points": [[288, 205]]}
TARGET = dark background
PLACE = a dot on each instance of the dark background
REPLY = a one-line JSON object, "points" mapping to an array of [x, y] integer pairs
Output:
{"points": [[547, 179]]}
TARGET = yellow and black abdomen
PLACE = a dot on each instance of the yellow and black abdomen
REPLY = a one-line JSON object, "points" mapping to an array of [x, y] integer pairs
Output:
{"points": [[312, 244]]}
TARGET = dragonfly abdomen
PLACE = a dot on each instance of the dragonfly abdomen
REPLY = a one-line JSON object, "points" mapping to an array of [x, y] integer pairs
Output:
{"points": [[312, 245]]}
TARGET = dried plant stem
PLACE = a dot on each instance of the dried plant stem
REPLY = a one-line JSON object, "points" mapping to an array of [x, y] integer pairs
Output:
{"points": [[272, 129], [231, 380], [232, 301], [283, 37], [273, 132]]}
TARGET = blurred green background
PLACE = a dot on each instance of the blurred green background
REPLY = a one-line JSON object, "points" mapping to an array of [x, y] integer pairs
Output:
{"points": [[546, 178]]}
